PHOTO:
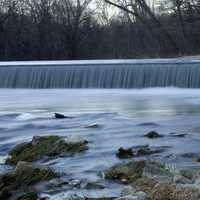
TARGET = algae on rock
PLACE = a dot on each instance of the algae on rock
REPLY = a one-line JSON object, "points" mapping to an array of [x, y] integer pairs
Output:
{"points": [[126, 173], [25, 175], [45, 146]]}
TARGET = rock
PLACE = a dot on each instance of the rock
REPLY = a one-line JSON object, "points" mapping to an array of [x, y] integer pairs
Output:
{"points": [[173, 192], [153, 135], [44, 147], [92, 126], [146, 150], [145, 184], [24, 176], [30, 173], [61, 116], [75, 183], [179, 179], [126, 173], [128, 190], [148, 124], [28, 196], [124, 153], [157, 171], [141, 195], [138, 151], [94, 186], [178, 135], [190, 155]]}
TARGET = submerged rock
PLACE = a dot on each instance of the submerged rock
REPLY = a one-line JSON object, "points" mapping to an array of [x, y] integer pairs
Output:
{"points": [[24, 176], [182, 135], [28, 196], [148, 124], [45, 146], [138, 151], [94, 186], [61, 116], [126, 173], [153, 135], [134, 170], [124, 153], [93, 126]]}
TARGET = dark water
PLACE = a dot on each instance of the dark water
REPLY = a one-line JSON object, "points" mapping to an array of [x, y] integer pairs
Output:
{"points": [[124, 115]]}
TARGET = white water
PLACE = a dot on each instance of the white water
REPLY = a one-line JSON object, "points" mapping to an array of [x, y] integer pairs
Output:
{"points": [[183, 73]]}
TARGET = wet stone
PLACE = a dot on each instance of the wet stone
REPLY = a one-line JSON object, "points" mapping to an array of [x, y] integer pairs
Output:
{"points": [[61, 116], [93, 126], [94, 186], [138, 151], [24, 176], [148, 124], [126, 173], [153, 135], [124, 153], [48, 147], [28, 196]]}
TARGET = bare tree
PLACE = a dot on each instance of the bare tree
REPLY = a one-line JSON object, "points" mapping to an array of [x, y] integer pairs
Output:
{"points": [[134, 7]]}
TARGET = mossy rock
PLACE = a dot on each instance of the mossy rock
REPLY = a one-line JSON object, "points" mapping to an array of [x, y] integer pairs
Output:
{"points": [[173, 192], [138, 151], [28, 196], [126, 173], [46, 146], [24, 176]]}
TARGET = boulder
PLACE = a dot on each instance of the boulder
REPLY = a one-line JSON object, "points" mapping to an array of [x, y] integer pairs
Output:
{"points": [[93, 126], [153, 135], [138, 151], [126, 173], [61, 116], [24, 176], [124, 153], [48, 147]]}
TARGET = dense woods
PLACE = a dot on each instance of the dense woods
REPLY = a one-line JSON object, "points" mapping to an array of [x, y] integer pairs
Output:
{"points": [[89, 29]]}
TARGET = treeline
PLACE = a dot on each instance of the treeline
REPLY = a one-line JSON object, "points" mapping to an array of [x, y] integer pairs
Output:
{"points": [[76, 29]]}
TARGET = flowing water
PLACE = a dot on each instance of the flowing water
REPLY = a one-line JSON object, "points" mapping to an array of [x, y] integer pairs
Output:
{"points": [[124, 116], [184, 73]]}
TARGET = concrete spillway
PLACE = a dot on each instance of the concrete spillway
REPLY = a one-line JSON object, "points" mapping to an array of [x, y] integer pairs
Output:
{"points": [[183, 73]]}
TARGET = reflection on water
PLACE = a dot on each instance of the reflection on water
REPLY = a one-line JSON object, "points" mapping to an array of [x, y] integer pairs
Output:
{"points": [[24, 113]]}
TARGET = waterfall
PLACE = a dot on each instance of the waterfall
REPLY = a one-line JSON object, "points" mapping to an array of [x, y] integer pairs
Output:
{"points": [[101, 74]]}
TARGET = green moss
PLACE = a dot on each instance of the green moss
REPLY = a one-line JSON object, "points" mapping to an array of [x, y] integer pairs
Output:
{"points": [[48, 146], [28, 196], [25, 175], [126, 172]]}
